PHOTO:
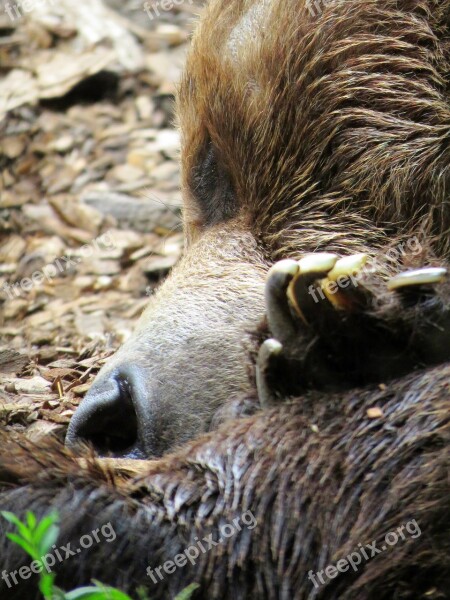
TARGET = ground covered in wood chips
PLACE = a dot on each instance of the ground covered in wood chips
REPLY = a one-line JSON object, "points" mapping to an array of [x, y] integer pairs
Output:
{"points": [[89, 191]]}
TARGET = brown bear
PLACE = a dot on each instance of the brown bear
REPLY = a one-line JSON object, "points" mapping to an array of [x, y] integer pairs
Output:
{"points": [[316, 132]]}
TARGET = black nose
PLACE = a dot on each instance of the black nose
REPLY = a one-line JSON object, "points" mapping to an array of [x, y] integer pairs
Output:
{"points": [[113, 416]]}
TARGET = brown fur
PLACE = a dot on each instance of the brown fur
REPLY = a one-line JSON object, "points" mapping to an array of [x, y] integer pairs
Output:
{"points": [[336, 128], [316, 493], [299, 134]]}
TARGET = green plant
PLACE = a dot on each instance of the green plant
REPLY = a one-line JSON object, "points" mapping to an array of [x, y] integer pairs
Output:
{"points": [[37, 537]]}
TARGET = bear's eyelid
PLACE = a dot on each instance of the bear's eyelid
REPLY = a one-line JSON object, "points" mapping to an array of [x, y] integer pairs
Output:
{"points": [[212, 187]]}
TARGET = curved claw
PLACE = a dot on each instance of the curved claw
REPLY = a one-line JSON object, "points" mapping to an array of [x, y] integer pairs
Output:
{"points": [[279, 317], [341, 284], [301, 291], [268, 355], [337, 284], [416, 278]]}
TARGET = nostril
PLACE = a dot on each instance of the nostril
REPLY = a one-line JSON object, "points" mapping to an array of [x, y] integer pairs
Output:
{"points": [[113, 428], [107, 419]]}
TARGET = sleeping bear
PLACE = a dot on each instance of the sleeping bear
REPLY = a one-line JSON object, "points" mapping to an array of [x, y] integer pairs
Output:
{"points": [[285, 395]]}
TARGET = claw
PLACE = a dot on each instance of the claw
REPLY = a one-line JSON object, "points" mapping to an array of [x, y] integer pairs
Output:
{"points": [[348, 266], [286, 267], [337, 282], [269, 353], [416, 278], [301, 291], [317, 264], [340, 285], [279, 316]]}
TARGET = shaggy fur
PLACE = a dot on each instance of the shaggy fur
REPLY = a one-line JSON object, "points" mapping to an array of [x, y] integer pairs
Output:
{"points": [[300, 133], [319, 476], [336, 127]]}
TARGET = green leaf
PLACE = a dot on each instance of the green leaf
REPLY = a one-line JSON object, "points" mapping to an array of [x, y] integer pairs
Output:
{"points": [[31, 520], [96, 593], [187, 592], [21, 527], [48, 538], [142, 594], [46, 584], [58, 594], [44, 524], [24, 544], [109, 590], [11, 518]]}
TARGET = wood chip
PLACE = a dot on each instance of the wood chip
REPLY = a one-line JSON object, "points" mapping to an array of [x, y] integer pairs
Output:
{"points": [[375, 413], [12, 361]]}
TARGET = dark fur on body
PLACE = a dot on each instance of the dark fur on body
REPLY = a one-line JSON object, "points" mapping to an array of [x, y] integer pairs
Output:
{"points": [[326, 133], [316, 494]]}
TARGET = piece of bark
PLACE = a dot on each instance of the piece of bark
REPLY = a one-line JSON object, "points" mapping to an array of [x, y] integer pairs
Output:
{"points": [[135, 213], [12, 361]]}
